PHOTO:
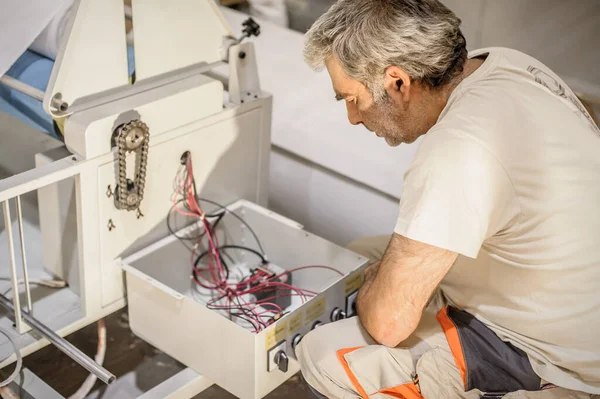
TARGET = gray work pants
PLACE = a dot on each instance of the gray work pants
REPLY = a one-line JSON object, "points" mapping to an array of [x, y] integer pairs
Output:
{"points": [[340, 360]]}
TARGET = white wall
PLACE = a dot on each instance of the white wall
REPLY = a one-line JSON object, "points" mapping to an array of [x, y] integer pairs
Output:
{"points": [[326, 203], [564, 35]]}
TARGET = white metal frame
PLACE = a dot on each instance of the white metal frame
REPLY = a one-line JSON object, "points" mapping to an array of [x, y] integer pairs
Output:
{"points": [[95, 278], [161, 97]]}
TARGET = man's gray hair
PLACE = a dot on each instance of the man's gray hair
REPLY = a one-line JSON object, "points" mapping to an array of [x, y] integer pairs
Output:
{"points": [[422, 37]]}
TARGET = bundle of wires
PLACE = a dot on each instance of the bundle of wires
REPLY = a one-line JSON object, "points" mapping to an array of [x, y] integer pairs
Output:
{"points": [[236, 296]]}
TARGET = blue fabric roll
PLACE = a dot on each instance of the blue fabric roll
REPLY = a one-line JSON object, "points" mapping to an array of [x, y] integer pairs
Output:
{"points": [[35, 70]]}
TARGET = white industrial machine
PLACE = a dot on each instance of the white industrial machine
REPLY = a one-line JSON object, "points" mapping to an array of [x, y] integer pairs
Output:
{"points": [[130, 208]]}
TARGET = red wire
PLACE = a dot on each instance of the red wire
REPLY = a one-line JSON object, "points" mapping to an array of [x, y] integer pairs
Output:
{"points": [[258, 282]]}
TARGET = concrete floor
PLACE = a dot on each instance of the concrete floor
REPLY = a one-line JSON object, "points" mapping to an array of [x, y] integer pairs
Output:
{"points": [[137, 365]]}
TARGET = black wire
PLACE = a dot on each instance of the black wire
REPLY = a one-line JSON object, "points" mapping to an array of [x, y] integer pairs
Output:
{"points": [[251, 321], [212, 227], [255, 252], [238, 217], [172, 231], [225, 267], [248, 313], [212, 215], [239, 308]]}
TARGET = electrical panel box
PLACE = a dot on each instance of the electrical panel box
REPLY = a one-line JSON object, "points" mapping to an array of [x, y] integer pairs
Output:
{"points": [[170, 311]]}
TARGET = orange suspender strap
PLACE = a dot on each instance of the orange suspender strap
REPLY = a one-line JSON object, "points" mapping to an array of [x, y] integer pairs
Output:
{"points": [[454, 342], [406, 391]]}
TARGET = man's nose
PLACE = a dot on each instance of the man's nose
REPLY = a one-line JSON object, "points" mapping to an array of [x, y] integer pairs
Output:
{"points": [[353, 114]]}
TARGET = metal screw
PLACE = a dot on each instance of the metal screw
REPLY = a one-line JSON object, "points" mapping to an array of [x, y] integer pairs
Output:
{"points": [[132, 199], [134, 138], [111, 225]]}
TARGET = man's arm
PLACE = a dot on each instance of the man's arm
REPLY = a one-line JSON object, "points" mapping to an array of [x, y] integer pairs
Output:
{"points": [[397, 289]]}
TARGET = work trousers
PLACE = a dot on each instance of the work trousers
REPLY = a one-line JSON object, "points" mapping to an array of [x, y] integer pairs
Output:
{"points": [[341, 360]]}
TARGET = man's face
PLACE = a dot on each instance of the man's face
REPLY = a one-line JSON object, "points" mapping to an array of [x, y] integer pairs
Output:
{"points": [[394, 120]]}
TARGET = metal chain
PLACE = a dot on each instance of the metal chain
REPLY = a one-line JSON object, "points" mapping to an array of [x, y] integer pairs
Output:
{"points": [[133, 136]]}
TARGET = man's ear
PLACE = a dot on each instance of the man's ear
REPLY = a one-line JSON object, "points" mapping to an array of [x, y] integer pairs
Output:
{"points": [[397, 83]]}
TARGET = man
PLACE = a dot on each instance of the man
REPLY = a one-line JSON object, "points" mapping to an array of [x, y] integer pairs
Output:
{"points": [[500, 210]]}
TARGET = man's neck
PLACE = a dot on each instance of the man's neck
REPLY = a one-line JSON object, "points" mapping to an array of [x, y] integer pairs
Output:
{"points": [[471, 65]]}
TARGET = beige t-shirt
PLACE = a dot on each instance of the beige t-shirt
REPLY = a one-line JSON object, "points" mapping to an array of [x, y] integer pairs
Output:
{"points": [[509, 178]]}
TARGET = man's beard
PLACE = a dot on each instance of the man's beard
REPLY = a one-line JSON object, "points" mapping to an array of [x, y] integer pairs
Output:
{"points": [[387, 121]]}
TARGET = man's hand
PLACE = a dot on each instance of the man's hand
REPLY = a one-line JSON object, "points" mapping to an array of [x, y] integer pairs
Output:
{"points": [[397, 289]]}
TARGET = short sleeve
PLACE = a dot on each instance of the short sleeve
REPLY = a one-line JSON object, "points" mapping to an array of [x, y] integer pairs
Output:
{"points": [[456, 195]]}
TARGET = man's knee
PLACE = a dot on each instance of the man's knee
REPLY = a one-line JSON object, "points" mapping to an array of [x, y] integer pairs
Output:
{"points": [[309, 350], [318, 348], [315, 357], [317, 354]]}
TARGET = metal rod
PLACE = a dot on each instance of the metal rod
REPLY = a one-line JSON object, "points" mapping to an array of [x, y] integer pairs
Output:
{"points": [[32, 92], [14, 279], [67, 348], [22, 87], [128, 12], [23, 257]]}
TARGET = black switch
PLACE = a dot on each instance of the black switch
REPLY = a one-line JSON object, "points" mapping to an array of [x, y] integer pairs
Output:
{"points": [[282, 361], [251, 28]]}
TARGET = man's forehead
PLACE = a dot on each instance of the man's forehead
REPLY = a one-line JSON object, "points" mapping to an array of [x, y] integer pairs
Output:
{"points": [[335, 69], [342, 84]]}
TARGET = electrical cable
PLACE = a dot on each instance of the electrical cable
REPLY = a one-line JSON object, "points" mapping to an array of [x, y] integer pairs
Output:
{"points": [[173, 232], [195, 270], [7, 393], [246, 311], [89, 382], [262, 258], [19, 364], [239, 218], [248, 298]]}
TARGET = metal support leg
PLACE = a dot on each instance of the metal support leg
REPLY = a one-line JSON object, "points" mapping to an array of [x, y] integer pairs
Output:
{"points": [[14, 279], [23, 257]]}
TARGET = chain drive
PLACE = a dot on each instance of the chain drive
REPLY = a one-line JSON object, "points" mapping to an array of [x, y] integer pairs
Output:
{"points": [[133, 136]]}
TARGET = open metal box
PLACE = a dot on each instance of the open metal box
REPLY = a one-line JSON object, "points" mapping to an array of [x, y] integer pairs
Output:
{"points": [[165, 309]]}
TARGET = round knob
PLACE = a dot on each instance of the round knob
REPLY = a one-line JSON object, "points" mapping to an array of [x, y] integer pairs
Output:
{"points": [[296, 340], [338, 314], [316, 324]]}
